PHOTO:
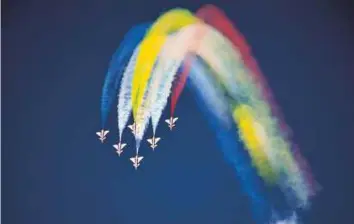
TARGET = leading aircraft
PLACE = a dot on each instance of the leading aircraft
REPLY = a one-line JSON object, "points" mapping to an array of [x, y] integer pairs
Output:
{"points": [[136, 161]]}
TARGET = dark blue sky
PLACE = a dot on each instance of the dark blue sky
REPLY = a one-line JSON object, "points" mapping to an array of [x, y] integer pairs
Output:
{"points": [[55, 55]]}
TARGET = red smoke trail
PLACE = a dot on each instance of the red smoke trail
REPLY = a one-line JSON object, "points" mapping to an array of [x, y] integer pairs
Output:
{"points": [[215, 17]]}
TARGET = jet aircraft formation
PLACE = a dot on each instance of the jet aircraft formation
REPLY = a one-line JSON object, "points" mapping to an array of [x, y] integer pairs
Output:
{"points": [[205, 52], [102, 135]]}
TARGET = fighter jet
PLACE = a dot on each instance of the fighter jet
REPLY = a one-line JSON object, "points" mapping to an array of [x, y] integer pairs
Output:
{"points": [[102, 134], [153, 142], [136, 161], [132, 127], [119, 147], [171, 122]]}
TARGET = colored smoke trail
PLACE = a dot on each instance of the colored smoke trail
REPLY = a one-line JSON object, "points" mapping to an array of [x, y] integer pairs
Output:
{"points": [[116, 67], [151, 46], [234, 154], [215, 62]]}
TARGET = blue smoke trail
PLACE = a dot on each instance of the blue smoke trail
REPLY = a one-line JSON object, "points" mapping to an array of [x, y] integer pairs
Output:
{"points": [[234, 153], [117, 66]]}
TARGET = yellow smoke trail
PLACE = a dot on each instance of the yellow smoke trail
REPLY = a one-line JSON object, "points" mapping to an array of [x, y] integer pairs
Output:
{"points": [[150, 48]]}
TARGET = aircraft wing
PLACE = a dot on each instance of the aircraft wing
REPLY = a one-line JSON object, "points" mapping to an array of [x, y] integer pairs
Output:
{"points": [[175, 119]]}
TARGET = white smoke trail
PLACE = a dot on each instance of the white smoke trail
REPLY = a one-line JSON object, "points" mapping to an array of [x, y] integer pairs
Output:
{"points": [[200, 39], [141, 122], [290, 220], [124, 97], [225, 60], [212, 93]]}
